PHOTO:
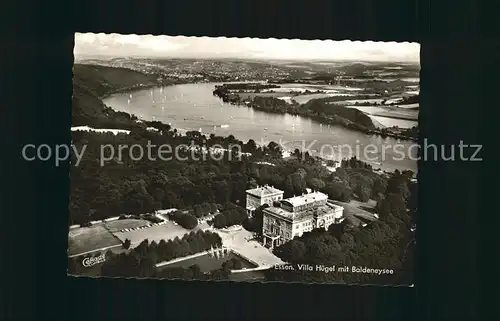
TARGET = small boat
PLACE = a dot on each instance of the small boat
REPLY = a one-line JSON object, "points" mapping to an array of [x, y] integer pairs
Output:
{"points": [[265, 128], [224, 126]]}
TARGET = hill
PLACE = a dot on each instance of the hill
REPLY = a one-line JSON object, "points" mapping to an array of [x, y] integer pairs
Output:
{"points": [[92, 82]]}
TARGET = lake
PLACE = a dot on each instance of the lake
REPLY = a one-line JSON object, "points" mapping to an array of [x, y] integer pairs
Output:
{"points": [[194, 107]]}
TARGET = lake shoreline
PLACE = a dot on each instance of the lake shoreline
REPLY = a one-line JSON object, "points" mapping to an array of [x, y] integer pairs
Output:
{"points": [[184, 128], [169, 83], [331, 121]]}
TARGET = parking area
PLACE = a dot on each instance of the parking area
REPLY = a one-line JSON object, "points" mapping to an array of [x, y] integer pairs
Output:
{"points": [[118, 225], [167, 231]]}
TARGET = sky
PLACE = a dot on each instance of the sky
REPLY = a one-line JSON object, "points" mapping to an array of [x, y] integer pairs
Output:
{"points": [[115, 45]]}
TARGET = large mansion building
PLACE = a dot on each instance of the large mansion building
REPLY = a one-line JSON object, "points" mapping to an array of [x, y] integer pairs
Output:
{"points": [[262, 195], [297, 215]]}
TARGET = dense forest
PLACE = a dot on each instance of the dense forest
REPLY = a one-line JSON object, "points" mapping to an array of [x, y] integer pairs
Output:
{"points": [[387, 243], [127, 186]]}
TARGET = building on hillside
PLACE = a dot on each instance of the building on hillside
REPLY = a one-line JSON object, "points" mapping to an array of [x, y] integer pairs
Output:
{"points": [[262, 195], [297, 215]]}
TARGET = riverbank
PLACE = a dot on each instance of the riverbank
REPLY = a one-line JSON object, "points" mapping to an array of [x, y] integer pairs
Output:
{"points": [[318, 110]]}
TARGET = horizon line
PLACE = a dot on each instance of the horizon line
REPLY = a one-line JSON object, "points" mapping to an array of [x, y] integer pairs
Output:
{"points": [[110, 57]]}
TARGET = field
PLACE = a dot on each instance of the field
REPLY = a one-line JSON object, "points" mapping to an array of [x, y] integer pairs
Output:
{"points": [[252, 95], [155, 233], [360, 101], [390, 112], [391, 121], [84, 239]]}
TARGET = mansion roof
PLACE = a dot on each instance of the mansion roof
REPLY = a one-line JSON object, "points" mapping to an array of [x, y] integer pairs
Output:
{"points": [[321, 210], [263, 191], [307, 199]]}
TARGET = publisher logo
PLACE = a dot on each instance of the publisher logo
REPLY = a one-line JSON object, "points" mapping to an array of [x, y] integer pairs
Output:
{"points": [[91, 261]]}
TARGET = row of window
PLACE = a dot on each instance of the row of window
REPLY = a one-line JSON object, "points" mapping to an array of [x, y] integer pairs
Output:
{"points": [[308, 223], [274, 198]]}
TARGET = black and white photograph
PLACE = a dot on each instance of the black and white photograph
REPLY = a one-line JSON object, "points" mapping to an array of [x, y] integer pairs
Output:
{"points": [[243, 159]]}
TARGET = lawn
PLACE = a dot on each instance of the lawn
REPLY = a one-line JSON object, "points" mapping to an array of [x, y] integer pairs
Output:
{"points": [[358, 212], [84, 239], [253, 95]]}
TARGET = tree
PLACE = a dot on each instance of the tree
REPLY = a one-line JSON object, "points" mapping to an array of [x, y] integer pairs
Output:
{"points": [[205, 208], [338, 190], [297, 154], [159, 194], [196, 271], [293, 251], [379, 187], [252, 183], [109, 254], [250, 146], [316, 184], [275, 150], [398, 184], [198, 211], [219, 221], [295, 184], [126, 244]]}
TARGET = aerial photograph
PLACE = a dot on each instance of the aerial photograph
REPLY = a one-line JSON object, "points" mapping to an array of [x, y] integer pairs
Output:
{"points": [[244, 159]]}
